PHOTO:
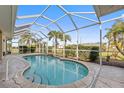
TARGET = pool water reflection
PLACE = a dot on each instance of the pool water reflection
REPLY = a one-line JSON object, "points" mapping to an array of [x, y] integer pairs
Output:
{"points": [[53, 71]]}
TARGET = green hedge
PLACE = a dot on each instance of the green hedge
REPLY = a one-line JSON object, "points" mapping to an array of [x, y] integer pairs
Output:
{"points": [[90, 55], [32, 49], [25, 49], [70, 52], [50, 49]]}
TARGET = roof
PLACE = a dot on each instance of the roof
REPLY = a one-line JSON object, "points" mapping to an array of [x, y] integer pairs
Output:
{"points": [[7, 19], [102, 10]]}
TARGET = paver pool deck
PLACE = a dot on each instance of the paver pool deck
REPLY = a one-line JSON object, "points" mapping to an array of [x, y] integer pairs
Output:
{"points": [[110, 76]]}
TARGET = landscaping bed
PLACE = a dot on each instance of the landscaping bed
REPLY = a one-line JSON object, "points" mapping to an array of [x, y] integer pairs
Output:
{"points": [[117, 64]]}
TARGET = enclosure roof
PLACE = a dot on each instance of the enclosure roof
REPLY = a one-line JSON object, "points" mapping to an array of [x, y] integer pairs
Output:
{"points": [[7, 19], [102, 10], [24, 26], [99, 10]]}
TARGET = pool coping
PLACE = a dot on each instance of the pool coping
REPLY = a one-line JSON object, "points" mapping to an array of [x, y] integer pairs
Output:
{"points": [[23, 82]]}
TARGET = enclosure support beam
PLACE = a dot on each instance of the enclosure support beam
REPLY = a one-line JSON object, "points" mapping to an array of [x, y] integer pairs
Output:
{"points": [[30, 46], [54, 47], [82, 27], [77, 51], [47, 46], [42, 48], [41, 13], [55, 20], [96, 75], [52, 21], [18, 47], [84, 18], [7, 71], [69, 15], [100, 46], [63, 45], [82, 12], [39, 46], [113, 19]]}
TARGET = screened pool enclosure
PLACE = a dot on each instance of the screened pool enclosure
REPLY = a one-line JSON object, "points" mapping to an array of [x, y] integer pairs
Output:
{"points": [[80, 28]]}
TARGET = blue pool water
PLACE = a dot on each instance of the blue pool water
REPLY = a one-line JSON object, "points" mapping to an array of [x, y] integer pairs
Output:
{"points": [[53, 71]]}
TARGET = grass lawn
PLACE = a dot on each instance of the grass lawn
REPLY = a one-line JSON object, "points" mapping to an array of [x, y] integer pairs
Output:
{"points": [[15, 51]]}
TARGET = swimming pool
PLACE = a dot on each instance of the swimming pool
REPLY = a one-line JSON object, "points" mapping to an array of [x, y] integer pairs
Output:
{"points": [[51, 70]]}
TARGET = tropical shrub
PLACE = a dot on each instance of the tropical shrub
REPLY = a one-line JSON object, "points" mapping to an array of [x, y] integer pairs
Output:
{"points": [[32, 49], [23, 49], [88, 53], [115, 36], [94, 54], [70, 52], [50, 49]]}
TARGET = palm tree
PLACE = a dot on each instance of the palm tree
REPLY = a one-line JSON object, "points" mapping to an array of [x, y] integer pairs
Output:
{"points": [[58, 35], [27, 39], [117, 33], [67, 38], [109, 37], [55, 35]]}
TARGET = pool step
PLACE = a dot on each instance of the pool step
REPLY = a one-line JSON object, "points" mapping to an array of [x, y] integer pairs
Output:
{"points": [[45, 80], [30, 77], [34, 78], [37, 79]]}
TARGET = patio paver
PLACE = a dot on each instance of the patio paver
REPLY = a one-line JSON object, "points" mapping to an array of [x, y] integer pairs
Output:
{"points": [[110, 76]]}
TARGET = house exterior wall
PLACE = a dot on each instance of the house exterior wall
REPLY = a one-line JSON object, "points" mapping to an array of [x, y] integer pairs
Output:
{"points": [[0, 45], [3, 45]]}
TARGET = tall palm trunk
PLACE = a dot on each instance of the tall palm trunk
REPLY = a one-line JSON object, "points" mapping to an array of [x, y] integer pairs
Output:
{"points": [[65, 42], [116, 45]]}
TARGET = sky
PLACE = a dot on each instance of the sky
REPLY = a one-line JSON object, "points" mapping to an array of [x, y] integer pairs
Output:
{"points": [[87, 35]]}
